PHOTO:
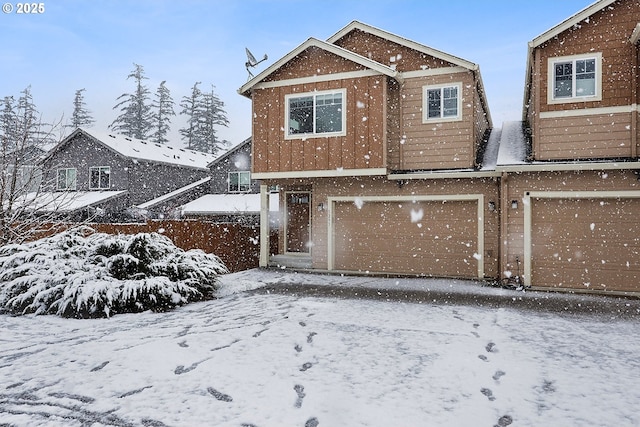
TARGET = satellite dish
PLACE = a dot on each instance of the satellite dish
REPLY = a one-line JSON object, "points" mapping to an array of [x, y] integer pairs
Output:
{"points": [[252, 61]]}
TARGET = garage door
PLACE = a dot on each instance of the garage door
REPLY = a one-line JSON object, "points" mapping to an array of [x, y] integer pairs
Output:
{"points": [[431, 237], [585, 243]]}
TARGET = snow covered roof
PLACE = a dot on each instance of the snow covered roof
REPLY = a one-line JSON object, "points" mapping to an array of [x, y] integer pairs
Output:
{"points": [[212, 204], [174, 193], [513, 144], [147, 151], [313, 42], [357, 25], [69, 201]]}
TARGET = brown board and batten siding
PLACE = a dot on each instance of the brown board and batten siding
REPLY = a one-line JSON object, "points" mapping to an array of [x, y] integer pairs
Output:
{"points": [[363, 146], [560, 131]]}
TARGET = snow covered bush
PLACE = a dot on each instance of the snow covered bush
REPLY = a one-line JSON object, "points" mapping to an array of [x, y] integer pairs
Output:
{"points": [[83, 274]]}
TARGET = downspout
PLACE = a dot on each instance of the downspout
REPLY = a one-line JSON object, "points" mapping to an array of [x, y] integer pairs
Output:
{"points": [[634, 97], [504, 213], [264, 226]]}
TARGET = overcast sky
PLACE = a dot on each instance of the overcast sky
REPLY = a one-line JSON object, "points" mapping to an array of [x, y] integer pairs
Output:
{"points": [[93, 44]]}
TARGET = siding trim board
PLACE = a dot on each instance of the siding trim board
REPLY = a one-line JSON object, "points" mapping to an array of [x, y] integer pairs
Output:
{"points": [[478, 198], [528, 215], [589, 111], [319, 173]]}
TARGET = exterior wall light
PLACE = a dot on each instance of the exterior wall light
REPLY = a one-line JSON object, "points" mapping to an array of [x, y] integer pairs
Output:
{"points": [[320, 207], [492, 206], [514, 204]]}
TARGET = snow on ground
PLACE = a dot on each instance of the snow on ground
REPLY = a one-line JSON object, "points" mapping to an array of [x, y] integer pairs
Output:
{"points": [[267, 353]]}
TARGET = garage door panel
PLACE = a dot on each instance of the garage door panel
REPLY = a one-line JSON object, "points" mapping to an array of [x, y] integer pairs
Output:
{"points": [[428, 237], [586, 243]]}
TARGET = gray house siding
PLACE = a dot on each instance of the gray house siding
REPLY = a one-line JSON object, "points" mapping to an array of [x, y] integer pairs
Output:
{"points": [[238, 159]]}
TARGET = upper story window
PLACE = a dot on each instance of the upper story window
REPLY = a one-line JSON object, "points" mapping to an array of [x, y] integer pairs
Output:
{"points": [[441, 102], [575, 78], [100, 177], [66, 179], [316, 113], [239, 182]]}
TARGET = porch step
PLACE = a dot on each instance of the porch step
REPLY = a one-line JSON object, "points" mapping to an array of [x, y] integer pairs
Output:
{"points": [[290, 261]]}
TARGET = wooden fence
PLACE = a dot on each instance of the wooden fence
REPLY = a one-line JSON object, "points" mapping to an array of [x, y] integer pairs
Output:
{"points": [[237, 245]]}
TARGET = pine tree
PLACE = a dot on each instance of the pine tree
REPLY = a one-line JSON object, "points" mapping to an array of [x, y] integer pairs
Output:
{"points": [[136, 119], [213, 115], [163, 105], [190, 106], [8, 120], [81, 117], [205, 112]]}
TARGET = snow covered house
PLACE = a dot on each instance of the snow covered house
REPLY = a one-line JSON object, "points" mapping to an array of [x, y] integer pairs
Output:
{"points": [[233, 196], [571, 190], [376, 145], [108, 174]]}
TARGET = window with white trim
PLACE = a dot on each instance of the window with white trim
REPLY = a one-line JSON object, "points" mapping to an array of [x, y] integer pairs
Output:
{"points": [[575, 78], [66, 179], [100, 177], [441, 102], [316, 113], [239, 182]]}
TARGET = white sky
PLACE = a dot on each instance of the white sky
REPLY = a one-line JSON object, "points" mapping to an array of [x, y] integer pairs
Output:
{"points": [[78, 44]]}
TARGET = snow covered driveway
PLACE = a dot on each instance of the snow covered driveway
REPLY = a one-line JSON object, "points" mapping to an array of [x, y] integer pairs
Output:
{"points": [[263, 358]]}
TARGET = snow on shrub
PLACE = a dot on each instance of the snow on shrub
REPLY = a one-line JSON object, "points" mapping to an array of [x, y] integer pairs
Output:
{"points": [[83, 274]]}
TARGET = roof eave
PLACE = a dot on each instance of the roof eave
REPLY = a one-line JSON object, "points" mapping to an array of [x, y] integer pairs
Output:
{"points": [[570, 22], [245, 89]]}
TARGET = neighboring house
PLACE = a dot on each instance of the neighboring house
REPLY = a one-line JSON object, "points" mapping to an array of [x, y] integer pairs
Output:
{"points": [[114, 173], [571, 200], [376, 145], [233, 195]]}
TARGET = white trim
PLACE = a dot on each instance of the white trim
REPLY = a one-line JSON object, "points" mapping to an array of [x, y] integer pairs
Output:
{"points": [[554, 166], [589, 111], [425, 103], [434, 72], [74, 184], [239, 173], [356, 25], [551, 99], [443, 174], [100, 170], [479, 198], [312, 42], [264, 226], [528, 215], [319, 173], [315, 134], [317, 79], [635, 35], [286, 222]]}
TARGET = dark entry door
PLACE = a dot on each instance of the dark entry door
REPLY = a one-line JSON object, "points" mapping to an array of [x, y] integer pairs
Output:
{"points": [[298, 222]]}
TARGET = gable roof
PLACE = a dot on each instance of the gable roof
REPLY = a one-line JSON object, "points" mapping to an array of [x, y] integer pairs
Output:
{"points": [[137, 149], [357, 25], [231, 151], [570, 22], [313, 42]]}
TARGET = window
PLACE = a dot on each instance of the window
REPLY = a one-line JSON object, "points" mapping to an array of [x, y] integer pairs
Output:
{"points": [[239, 182], [67, 179], [100, 178], [315, 113], [575, 78], [441, 102]]}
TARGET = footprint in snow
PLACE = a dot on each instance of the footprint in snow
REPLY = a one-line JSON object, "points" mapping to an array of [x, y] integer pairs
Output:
{"points": [[219, 396], [312, 422], [498, 375], [306, 366], [310, 337], [491, 348], [504, 421], [300, 392], [483, 357], [298, 348], [100, 366], [487, 392]]}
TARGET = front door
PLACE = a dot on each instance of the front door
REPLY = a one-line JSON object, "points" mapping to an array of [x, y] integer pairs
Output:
{"points": [[298, 222]]}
